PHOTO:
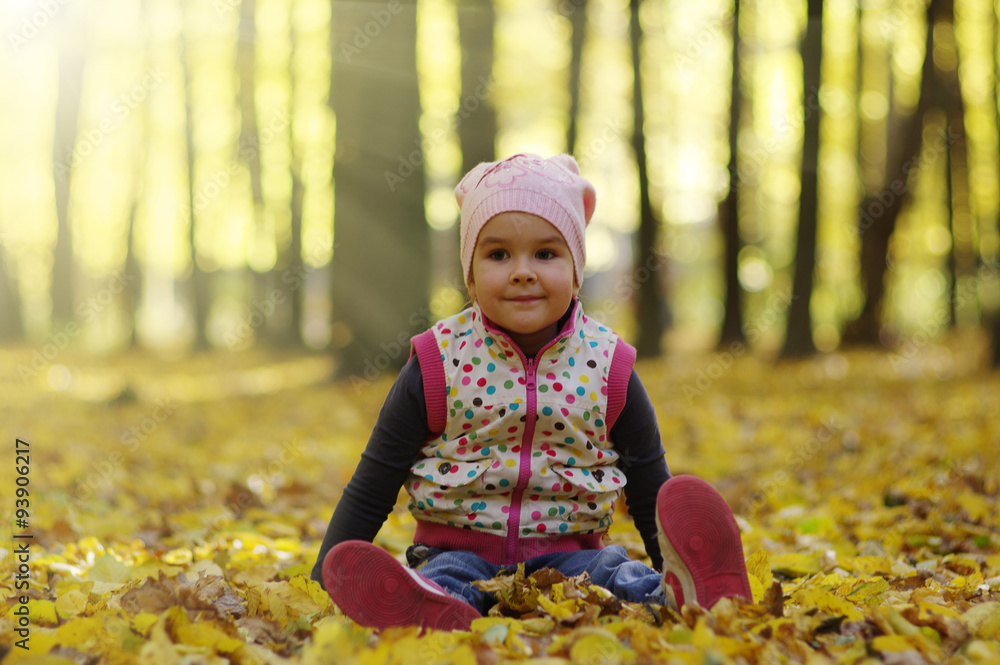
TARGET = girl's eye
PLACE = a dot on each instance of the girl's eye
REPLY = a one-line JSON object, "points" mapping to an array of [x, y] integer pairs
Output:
{"points": [[497, 255], [546, 254]]}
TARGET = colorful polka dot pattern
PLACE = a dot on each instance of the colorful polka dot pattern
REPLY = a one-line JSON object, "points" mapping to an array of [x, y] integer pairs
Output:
{"points": [[467, 477]]}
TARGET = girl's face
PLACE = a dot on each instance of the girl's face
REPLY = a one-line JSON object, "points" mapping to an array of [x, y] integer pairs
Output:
{"points": [[522, 277]]}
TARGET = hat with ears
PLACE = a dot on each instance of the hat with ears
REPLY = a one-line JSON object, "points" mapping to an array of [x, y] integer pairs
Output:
{"points": [[550, 188]]}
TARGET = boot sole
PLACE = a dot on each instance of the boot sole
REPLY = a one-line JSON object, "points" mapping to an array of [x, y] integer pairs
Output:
{"points": [[371, 587], [700, 541]]}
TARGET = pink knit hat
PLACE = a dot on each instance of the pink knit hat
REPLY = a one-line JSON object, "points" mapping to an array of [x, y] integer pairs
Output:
{"points": [[550, 188]]}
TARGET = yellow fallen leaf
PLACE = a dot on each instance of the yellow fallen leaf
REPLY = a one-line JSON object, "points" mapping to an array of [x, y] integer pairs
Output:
{"points": [[202, 634], [558, 610], [79, 631], [976, 506], [983, 620], [600, 649], [893, 644], [795, 564], [827, 602], [927, 608], [759, 568], [109, 569], [866, 565], [42, 613], [865, 591], [756, 589], [71, 603], [312, 589], [334, 641]]}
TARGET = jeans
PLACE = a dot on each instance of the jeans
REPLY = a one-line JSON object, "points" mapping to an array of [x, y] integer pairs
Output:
{"points": [[611, 568]]}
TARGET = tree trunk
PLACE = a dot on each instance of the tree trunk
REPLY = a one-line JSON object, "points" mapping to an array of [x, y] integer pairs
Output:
{"points": [[962, 257], [878, 213], [478, 127], [798, 335], [381, 268], [71, 64], [652, 306], [11, 327], [133, 288], [476, 117], [291, 335], [732, 323], [996, 124], [132, 294], [578, 19], [249, 143], [198, 281]]}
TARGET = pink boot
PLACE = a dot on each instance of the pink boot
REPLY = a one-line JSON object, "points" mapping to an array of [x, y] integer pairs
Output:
{"points": [[375, 590], [700, 543]]}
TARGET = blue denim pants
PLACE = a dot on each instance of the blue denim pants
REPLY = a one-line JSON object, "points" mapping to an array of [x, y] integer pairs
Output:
{"points": [[610, 568]]}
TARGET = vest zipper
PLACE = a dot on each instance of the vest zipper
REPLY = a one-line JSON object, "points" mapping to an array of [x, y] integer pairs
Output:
{"points": [[524, 465], [524, 459]]}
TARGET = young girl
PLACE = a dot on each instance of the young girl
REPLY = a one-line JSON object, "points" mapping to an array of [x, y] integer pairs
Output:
{"points": [[515, 427]]}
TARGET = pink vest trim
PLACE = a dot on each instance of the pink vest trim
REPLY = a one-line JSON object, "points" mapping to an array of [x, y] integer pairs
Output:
{"points": [[493, 548], [618, 376], [432, 371]]}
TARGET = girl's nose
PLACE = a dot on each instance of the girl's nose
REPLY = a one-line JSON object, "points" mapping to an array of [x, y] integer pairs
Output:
{"points": [[522, 272]]}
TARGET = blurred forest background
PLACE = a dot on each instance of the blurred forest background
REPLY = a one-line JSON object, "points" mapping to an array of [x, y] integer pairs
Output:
{"points": [[782, 176]]}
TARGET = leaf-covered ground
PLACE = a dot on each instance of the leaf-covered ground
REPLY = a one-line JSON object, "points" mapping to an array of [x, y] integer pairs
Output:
{"points": [[176, 508]]}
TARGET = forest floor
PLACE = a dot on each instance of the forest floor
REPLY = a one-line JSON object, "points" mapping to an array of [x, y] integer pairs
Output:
{"points": [[174, 510]]}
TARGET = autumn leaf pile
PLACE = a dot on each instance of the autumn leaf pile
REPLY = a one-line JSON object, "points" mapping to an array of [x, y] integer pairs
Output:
{"points": [[177, 508]]}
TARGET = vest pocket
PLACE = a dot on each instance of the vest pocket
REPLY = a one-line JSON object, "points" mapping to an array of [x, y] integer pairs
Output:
{"points": [[443, 487], [449, 473], [595, 480]]}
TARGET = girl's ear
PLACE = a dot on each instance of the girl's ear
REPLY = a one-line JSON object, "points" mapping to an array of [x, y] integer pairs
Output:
{"points": [[472, 289]]}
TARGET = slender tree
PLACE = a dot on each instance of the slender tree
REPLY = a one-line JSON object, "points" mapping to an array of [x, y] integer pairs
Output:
{"points": [[380, 272], [132, 294], [996, 121], [961, 258], [249, 144], [291, 325], [577, 14], [652, 305], [71, 65], [879, 211], [198, 282], [732, 323], [476, 116], [11, 327], [798, 336]]}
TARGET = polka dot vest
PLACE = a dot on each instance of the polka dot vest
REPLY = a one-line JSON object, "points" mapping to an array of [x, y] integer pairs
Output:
{"points": [[522, 448]]}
